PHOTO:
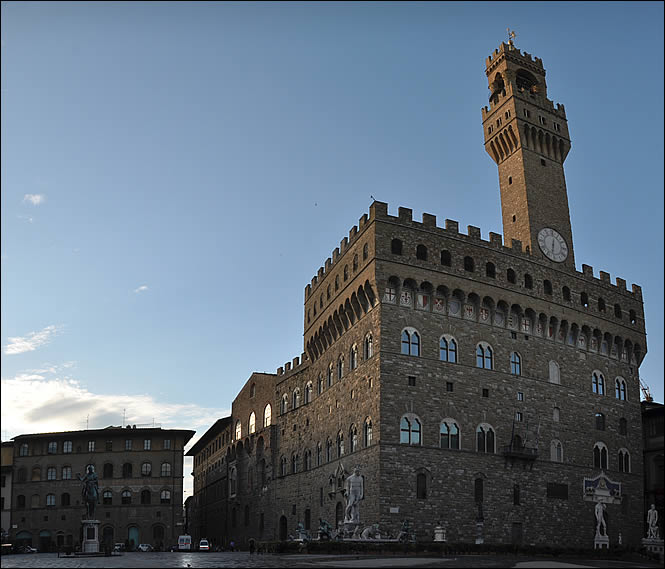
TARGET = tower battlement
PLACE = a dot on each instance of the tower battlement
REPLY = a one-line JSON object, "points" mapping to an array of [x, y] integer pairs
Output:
{"points": [[510, 50]]}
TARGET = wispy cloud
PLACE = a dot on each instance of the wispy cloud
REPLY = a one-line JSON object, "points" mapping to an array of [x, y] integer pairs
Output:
{"points": [[31, 341], [142, 288], [27, 218], [34, 199], [50, 399]]}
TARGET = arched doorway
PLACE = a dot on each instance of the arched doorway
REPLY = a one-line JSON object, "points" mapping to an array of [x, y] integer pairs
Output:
{"points": [[158, 537], [133, 537], [107, 536], [282, 528], [339, 514], [44, 540], [23, 538], [60, 539]]}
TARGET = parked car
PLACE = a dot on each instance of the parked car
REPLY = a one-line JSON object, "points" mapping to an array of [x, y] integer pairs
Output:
{"points": [[145, 547], [173, 548], [204, 545], [119, 547]]}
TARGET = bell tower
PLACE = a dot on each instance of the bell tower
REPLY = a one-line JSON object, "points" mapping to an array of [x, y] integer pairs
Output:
{"points": [[527, 137]]}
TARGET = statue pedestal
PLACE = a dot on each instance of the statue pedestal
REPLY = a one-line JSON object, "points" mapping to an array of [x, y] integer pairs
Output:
{"points": [[601, 541], [479, 533], [90, 536], [654, 545], [350, 529], [439, 534]]}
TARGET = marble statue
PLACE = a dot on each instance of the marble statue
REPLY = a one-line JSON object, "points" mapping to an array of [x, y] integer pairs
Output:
{"points": [[601, 526], [325, 531], [652, 521], [90, 491], [370, 532], [355, 492]]}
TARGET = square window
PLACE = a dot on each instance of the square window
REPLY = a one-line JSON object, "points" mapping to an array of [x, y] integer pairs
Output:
{"points": [[109, 446], [167, 444], [520, 396], [513, 335], [518, 416], [486, 392], [147, 443], [449, 385], [128, 444], [412, 381], [91, 446]]}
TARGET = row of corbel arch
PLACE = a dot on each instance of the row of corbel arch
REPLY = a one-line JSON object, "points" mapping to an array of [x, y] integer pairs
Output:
{"points": [[352, 309], [580, 336]]}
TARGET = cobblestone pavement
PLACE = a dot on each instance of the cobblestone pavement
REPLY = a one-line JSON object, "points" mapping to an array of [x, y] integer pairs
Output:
{"points": [[242, 559]]}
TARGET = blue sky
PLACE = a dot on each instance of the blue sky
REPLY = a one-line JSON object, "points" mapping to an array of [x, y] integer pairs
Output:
{"points": [[174, 174]]}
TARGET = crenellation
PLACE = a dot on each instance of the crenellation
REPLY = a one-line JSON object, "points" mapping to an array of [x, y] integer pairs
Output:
{"points": [[343, 245], [335, 255], [452, 226], [328, 264], [473, 231], [320, 273], [637, 291], [378, 210], [621, 284], [405, 214], [496, 239], [287, 366], [280, 371], [296, 362], [587, 271], [308, 290], [353, 232], [429, 220], [604, 277], [362, 221], [314, 281], [516, 245]]}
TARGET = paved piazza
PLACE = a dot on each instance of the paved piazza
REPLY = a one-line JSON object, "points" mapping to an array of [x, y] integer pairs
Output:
{"points": [[243, 559]]}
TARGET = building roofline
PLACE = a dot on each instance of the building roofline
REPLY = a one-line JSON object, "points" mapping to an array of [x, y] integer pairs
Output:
{"points": [[209, 435], [108, 430]]}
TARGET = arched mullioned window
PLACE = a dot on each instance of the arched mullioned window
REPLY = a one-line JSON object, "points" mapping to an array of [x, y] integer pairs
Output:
{"points": [[346, 273], [146, 496], [528, 281], [396, 247], [238, 430], [319, 454], [267, 415], [469, 264], [446, 259], [547, 287], [319, 385], [296, 398], [127, 470], [166, 469], [355, 263], [165, 497], [107, 497], [307, 462], [294, 463], [410, 430], [410, 342], [485, 438], [421, 252], [330, 375], [555, 372], [623, 426], [490, 270], [340, 367], [367, 432], [365, 251], [515, 364], [369, 348], [556, 451], [329, 448], [600, 455], [284, 404], [511, 276], [565, 291], [353, 357], [126, 497], [584, 299], [448, 349], [233, 481], [283, 466], [252, 422], [598, 383], [449, 434], [353, 438], [340, 444], [308, 392], [620, 388], [624, 460], [484, 356]]}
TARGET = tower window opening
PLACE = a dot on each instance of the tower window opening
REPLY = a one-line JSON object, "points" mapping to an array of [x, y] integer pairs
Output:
{"points": [[490, 270], [547, 287], [511, 276], [601, 305], [617, 311], [396, 247], [566, 293], [528, 281], [527, 114], [510, 181], [542, 162], [445, 258], [514, 218], [421, 253], [468, 264], [584, 300]]}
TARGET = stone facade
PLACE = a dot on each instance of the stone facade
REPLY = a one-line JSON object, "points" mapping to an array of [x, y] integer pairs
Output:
{"points": [[140, 474], [7, 461], [654, 455], [474, 383]]}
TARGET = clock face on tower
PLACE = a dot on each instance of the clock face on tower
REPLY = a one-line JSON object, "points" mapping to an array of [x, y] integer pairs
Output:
{"points": [[552, 244]]}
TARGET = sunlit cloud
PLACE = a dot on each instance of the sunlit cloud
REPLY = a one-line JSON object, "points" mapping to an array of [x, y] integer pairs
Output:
{"points": [[141, 289], [34, 199], [31, 341]]}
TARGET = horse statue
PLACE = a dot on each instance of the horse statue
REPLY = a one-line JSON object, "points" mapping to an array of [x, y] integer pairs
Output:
{"points": [[90, 491]]}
